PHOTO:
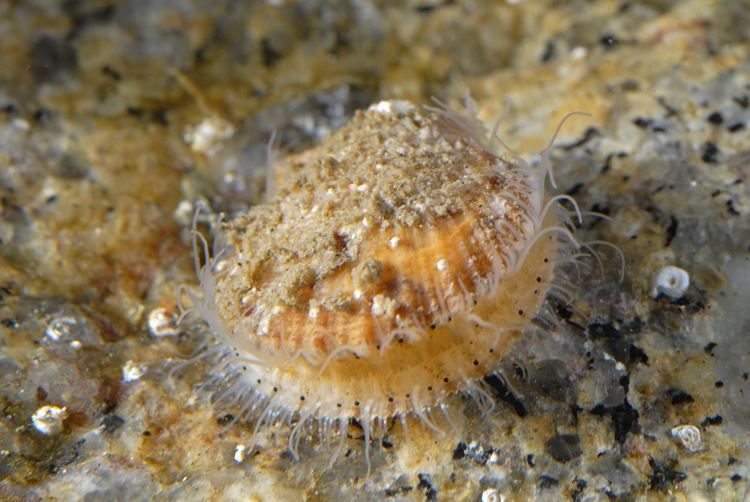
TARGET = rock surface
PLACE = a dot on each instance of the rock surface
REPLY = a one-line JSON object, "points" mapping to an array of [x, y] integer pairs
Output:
{"points": [[118, 117]]}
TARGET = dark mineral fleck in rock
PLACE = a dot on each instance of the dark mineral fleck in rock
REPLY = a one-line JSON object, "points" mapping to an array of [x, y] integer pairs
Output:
{"points": [[111, 423], [51, 57], [663, 474], [564, 447]]}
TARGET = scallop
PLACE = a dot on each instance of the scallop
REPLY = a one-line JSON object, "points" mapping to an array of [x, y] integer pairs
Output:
{"points": [[395, 265]]}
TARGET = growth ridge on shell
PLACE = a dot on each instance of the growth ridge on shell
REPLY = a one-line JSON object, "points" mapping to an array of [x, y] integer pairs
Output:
{"points": [[394, 265]]}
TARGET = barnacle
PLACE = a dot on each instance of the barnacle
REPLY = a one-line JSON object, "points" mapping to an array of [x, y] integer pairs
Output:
{"points": [[393, 266]]}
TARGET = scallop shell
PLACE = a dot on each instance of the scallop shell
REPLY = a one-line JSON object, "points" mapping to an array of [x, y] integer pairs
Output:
{"points": [[394, 265]]}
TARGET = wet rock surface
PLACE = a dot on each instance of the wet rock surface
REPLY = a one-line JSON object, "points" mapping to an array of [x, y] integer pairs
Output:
{"points": [[118, 118]]}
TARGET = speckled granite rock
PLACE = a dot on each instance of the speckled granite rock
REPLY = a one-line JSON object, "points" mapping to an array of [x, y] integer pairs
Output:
{"points": [[118, 117]]}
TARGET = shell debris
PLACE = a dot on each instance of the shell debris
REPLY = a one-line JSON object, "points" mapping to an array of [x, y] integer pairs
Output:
{"points": [[48, 419], [162, 322]]}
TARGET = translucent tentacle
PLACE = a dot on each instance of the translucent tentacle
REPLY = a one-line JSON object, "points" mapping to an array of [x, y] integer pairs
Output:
{"points": [[617, 250], [546, 152], [558, 198]]}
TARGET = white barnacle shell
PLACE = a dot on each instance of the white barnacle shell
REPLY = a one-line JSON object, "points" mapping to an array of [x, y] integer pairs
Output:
{"points": [[688, 435], [671, 281]]}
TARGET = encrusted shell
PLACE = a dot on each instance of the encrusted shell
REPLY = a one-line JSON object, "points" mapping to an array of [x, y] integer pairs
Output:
{"points": [[391, 267]]}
